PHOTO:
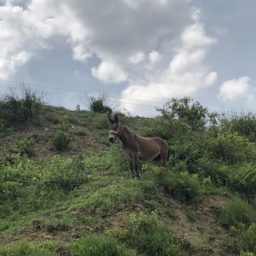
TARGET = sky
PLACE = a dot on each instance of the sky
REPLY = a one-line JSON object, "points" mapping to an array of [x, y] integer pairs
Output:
{"points": [[138, 54]]}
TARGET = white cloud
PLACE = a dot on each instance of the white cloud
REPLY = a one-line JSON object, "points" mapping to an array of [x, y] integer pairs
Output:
{"points": [[185, 74], [115, 31], [235, 89], [137, 58], [154, 57], [109, 72], [127, 36]]}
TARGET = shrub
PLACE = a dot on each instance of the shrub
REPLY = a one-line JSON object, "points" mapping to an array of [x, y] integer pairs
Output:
{"points": [[237, 211], [184, 109], [25, 249], [149, 236], [248, 239], [22, 110], [98, 104], [95, 245], [243, 178], [119, 159], [61, 140], [2, 125], [230, 148], [67, 176], [26, 147], [183, 186], [244, 125]]}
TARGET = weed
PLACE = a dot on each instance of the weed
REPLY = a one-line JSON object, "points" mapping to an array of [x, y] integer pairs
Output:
{"points": [[237, 211], [149, 236], [26, 147], [183, 186], [61, 140], [95, 245]]}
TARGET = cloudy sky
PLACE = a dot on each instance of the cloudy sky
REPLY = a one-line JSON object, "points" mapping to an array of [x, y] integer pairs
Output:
{"points": [[138, 53]]}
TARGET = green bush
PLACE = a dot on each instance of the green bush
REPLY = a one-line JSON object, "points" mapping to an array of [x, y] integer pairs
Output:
{"points": [[248, 239], [2, 125], [27, 186], [119, 160], [67, 176], [26, 147], [187, 111], [15, 110], [98, 245], [183, 186], [25, 249], [98, 105], [237, 211], [244, 125], [243, 178], [61, 140], [149, 236], [230, 148]]}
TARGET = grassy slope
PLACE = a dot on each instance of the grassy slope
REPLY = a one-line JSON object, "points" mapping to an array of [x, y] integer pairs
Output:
{"points": [[105, 202]]}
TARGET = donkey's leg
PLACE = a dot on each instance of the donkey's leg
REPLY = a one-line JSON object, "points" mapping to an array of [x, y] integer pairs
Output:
{"points": [[136, 165], [164, 157], [131, 167]]}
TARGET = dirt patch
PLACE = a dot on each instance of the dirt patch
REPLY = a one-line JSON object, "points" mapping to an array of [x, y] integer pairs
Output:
{"points": [[200, 224]]}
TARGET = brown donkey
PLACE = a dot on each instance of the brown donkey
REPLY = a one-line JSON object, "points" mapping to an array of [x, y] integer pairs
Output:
{"points": [[137, 147]]}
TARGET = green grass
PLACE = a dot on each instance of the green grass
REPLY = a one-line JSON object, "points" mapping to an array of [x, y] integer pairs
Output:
{"points": [[85, 202]]}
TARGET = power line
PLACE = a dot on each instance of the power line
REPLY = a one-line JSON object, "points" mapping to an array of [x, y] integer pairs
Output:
{"points": [[115, 99]]}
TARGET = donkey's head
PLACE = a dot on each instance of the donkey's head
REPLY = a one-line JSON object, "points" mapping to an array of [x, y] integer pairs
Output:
{"points": [[114, 129]]}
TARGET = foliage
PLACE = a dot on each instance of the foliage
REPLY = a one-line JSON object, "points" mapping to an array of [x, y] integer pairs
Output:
{"points": [[119, 159], [26, 146], [243, 178], [237, 211], [25, 249], [98, 104], [182, 185], [95, 245], [20, 110], [67, 176], [244, 125], [61, 140], [248, 239], [230, 148], [191, 113], [149, 236], [29, 186]]}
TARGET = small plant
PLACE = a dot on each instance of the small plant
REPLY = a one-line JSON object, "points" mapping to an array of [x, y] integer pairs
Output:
{"points": [[65, 125], [26, 147], [69, 176], [61, 140], [2, 125], [21, 110], [149, 236], [237, 211], [25, 249], [183, 186], [98, 104], [95, 245], [248, 240]]}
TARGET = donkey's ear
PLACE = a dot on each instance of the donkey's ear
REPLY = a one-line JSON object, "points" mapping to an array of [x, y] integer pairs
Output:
{"points": [[116, 118]]}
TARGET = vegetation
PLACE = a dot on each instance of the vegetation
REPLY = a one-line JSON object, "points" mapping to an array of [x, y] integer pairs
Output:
{"points": [[21, 110], [84, 201], [98, 104], [61, 140]]}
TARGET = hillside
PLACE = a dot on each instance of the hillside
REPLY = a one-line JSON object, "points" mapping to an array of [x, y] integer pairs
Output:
{"points": [[81, 200]]}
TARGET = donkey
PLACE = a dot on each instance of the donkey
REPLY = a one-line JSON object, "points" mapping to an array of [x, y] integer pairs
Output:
{"points": [[137, 147]]}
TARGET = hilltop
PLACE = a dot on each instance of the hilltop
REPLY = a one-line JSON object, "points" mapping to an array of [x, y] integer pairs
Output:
{"points": [[64, 190]]}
